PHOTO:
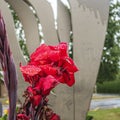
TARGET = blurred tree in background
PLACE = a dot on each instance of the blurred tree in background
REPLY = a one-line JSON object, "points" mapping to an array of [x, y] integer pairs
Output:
{"points": [[110, 61]]}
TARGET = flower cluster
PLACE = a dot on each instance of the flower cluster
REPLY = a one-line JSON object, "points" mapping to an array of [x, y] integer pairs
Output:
{"points": [[48, 67]]}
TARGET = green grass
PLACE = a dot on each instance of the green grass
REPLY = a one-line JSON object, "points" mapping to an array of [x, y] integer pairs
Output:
{"points": [[108, 114]]}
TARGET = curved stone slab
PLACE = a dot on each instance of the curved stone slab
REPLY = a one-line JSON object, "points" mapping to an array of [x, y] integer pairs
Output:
{"points": [[63, 22], [89, 21], [29, 23], [14, 45], [45, 14], [63, 102]]}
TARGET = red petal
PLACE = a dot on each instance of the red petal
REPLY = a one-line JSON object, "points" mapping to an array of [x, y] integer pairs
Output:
{"points": [[22, 117], [66, 78], [30, 89], [71, 81], [55, 117], [49, 70], [40, 53], [54, 55], [58, 52], [47, 84], [30, 70], [69, 65], [36, 100], [63, 48]]}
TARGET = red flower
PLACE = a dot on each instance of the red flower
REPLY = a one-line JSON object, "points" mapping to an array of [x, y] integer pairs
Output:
{"points": [[36, 100], [48, 69], [50, 60], [30, 70], [46, 84], [48, 66], [41, 89], [22, 117], [50, 115], [31, 73], [46, 54], [34, 95], [69, 65], [40, 56], [66, 69], [55, 117]]}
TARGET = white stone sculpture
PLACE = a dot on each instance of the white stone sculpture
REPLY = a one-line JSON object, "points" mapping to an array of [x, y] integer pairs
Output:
{"points": [[87, 19]]}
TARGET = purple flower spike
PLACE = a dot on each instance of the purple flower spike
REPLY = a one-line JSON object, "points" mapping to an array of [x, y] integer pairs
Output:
{"points": [[8, 66]]}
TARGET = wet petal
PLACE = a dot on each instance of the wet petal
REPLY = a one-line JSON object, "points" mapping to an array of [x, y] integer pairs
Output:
{"points": [[22, 117], [41, 53], [55, 117], [47, 84], [49, 70], [30, 70], [36, 99], [70, 65]]}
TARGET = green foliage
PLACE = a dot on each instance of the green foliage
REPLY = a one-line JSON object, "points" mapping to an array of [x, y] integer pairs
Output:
{"points": [[4, 117], [1, 76], [89, 117], [109, 66], [112, 87]]}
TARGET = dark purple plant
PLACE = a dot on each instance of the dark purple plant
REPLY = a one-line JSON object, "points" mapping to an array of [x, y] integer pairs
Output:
{"points": [[8, 67]]}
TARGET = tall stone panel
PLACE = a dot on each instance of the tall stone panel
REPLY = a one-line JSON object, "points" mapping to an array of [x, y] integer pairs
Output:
{"points": [[14, 45], [89, 22]]}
